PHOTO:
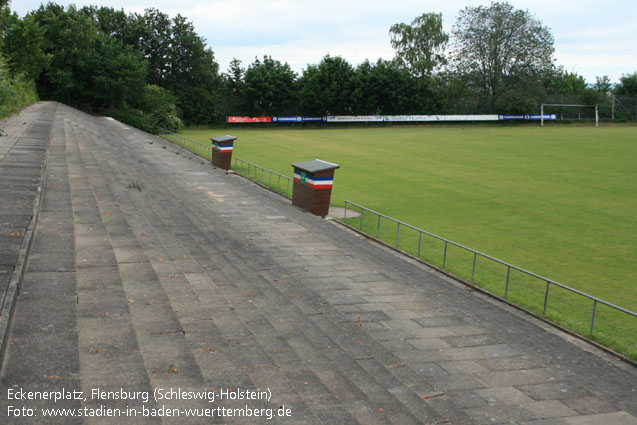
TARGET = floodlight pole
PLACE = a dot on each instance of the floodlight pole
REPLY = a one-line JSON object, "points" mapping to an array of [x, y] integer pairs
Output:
{"points": [[542, 116]]}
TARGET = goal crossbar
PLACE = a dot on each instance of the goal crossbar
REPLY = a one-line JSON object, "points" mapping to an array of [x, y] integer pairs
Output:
{"points": [[571, 105]]}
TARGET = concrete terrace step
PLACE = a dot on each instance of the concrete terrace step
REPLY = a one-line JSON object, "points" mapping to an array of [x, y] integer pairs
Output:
{"points": [[152, 270], [23, 149]]}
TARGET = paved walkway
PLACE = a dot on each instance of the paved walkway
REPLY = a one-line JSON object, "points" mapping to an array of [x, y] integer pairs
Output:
{"points": [[151, 271]]}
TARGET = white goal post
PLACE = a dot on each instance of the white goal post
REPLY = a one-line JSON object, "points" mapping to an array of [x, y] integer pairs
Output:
{"points": [[577, 106]]}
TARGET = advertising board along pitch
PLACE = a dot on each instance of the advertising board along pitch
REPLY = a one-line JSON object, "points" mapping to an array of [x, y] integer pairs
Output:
{"points": [[237, 120], [298, 119], [393, 118], [531, 117]]}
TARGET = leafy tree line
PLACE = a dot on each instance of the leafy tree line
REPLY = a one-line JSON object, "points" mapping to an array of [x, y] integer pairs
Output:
{"points": [[497, 59], [147, 70], [17, 88], [331, 87], [151, 70]]}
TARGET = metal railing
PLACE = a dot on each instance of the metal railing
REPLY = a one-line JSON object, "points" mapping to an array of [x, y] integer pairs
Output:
{"points": [[252, 171], [246, 168], [201, 149], [476, 254]]}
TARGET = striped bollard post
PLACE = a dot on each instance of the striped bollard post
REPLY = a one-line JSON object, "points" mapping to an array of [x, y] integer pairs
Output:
{"points": [[222, 151], [313, 182]]}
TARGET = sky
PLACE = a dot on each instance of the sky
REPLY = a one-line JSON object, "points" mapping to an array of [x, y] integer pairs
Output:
{"points": [[592, 38]]}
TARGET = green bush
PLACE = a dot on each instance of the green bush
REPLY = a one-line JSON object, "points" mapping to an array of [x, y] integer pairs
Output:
{"points": [[155, 110], [15, 92]]}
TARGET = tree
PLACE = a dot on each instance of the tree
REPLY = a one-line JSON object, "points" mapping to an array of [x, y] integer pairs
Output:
{"points": [[327, 88], [602, 84], [627, 85], [87, 68], [21, 60], [155, 44], [154, 109], [421, 45], [503, 51], [234, 77], [5, 17], [176, 57], [128, 29], [384, 88], [23, 46], [455, 96], [566, 83], [192, 73], [268, 88], [117, 74], [230, 101]]}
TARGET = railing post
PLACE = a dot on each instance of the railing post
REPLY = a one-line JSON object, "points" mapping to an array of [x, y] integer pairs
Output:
{"points": [[444, 257], [506, 288], [345, 212], [475, 257], [593, 319]]}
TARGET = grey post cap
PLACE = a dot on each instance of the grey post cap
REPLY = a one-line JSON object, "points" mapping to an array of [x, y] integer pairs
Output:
{"points": [[315, 166], [223, 139]]}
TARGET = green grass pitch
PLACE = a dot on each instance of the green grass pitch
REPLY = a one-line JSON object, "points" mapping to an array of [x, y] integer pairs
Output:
{"points": [[560, 201]]}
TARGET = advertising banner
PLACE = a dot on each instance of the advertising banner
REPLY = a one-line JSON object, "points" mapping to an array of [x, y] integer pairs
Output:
{"points": [[357, 118], [398, 118], [532, 117], [547, 117], [298, 119], [434, 118], [469, 118], [393, 118], [235, 120]]}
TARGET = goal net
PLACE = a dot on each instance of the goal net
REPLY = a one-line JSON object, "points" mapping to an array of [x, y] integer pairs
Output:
{"points": [[571, 111]]}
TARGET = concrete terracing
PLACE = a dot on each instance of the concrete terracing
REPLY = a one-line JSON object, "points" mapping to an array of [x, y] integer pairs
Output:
{"points": [[24, 143], [150, 270]]}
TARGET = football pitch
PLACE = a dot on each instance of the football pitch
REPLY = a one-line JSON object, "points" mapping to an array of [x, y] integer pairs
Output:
{"points": [[559, 201]]}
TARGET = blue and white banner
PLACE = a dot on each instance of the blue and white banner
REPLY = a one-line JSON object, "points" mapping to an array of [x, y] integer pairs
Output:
{"points": [[532, 117], [437, 118], [298, 119], [355, 118]]}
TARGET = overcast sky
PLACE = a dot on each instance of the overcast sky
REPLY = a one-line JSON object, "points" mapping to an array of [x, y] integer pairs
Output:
{"points": [[592, 38]]}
